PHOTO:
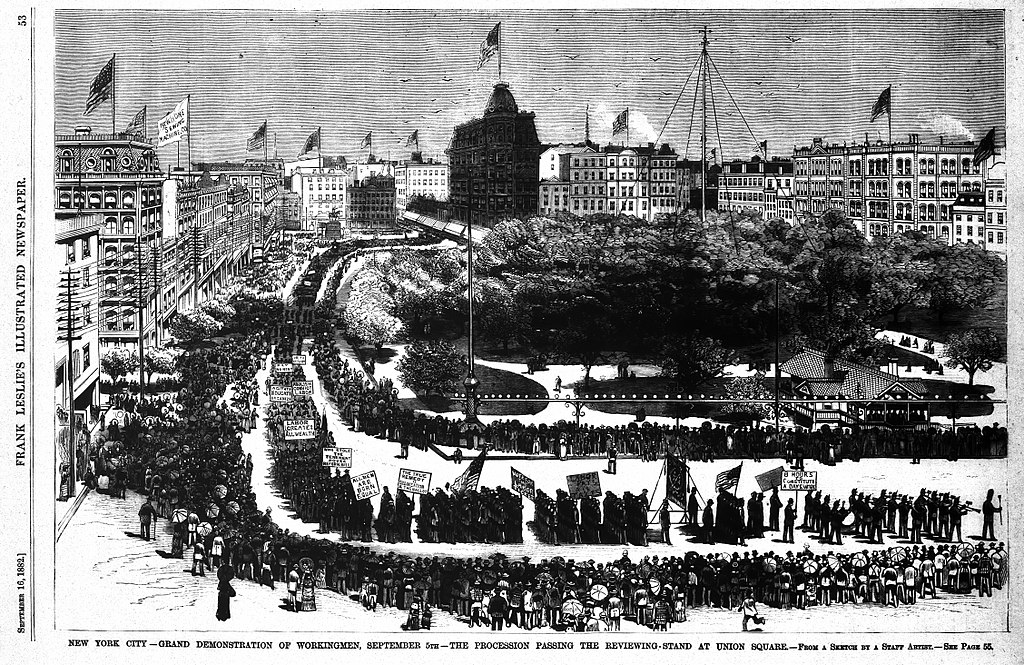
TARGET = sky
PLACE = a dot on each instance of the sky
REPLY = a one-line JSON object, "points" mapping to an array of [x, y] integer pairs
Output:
{"points": [[793, 75]]}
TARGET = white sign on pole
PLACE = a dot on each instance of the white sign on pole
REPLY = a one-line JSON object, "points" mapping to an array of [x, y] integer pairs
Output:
{"points": [[299, 360], [280, 393], [302, 389], [338, 457], [414, 482], [365, 485], [299, 429], [283, 368], [799, 481]]}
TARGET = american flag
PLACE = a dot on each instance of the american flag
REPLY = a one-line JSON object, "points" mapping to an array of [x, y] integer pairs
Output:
{"points": [[490, 46], [101, 88], [312, 142], [138, 123], [367, 140], [621, 123], [414, 138], [470, 478], [883, 104], [259, 138], [727, 479]]}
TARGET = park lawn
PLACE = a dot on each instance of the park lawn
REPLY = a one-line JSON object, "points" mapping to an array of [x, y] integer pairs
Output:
{"points": [[923, 322], [492, 381]]}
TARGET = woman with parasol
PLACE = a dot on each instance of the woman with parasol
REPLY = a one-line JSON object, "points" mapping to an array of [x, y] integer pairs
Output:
{"points": [[225, 592]]}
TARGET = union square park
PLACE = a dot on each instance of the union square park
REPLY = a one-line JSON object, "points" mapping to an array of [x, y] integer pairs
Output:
{"points": [[677, 426]]}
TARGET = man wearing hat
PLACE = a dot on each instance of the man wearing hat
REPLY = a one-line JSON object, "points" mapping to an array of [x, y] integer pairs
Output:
{"points": [[709, 523]]}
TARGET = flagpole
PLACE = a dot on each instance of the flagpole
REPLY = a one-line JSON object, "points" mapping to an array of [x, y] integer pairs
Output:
{"points": [[627, 126], [188, 129], [499, 52], [113, 95], [889, 212], [320, 147], [264, 143]]}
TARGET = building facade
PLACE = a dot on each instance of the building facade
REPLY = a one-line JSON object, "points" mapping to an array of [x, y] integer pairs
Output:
{"points": [[494, 163], [117, 176], [886, 189], [322, 195], [763, 186], [995, 208], [371, 206], [78, 240], [419, 178]]}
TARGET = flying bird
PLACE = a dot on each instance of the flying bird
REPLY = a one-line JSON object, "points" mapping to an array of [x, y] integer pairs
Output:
{"points": [[438, 110], [445, 78], [654, 59], [404, 80], [793, 40], [573, 57], [618, 84]]}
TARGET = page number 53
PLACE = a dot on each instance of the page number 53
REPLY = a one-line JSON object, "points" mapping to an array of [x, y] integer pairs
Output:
{"points": [[22, 19]]}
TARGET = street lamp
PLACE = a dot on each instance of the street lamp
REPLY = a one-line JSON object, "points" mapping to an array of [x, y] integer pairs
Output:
{"points": [[471, 382]]}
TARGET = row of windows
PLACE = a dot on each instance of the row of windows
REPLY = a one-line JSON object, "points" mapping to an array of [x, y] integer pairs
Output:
{"points": [[902, 166]]}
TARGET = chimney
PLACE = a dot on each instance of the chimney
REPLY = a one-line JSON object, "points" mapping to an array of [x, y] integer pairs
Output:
{"points": [[83, 130], [830, 368], [764, 144]]}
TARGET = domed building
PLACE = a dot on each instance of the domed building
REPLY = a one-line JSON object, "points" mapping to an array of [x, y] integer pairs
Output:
{"points": [[494, 162]]}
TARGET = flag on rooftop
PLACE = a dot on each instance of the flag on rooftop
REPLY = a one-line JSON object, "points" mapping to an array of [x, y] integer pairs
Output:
{"points": [[883, 104], [621, 123], [258, 140], [987, 147], [138, 123], [102, 87], [490, 45], [312, 142]]}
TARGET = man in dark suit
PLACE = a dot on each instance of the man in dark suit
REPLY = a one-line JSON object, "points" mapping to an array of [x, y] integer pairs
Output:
{"points": [[709, 523]]}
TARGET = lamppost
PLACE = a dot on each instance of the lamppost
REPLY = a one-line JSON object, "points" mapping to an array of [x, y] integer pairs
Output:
{"points": [[471, 383]]}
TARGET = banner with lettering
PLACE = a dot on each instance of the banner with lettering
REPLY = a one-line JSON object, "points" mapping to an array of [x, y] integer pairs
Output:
{"points": [[302, 388], [414, 482], [365, 485], [338, 457], [280, 393], [299, 360], [584, 484], [173, 126], [299, 429], [523, 484]]}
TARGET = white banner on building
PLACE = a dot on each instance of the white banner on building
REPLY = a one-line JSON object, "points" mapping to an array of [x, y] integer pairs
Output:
{"points": [[299, 429], [338, 457], [414, 482], [365, 485], [173, 126]]}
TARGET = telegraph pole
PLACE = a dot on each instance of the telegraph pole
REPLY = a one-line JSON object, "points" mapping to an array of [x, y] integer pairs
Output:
{"points": [[69, 284], [704, 125]]}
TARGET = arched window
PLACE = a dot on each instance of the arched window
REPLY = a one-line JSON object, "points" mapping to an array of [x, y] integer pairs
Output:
{"points": [[64, 199], [110, 285], [94, 199], [931, 212], [110, 199], [66, 162], [108, 160], [128, 226], [128, 199]]}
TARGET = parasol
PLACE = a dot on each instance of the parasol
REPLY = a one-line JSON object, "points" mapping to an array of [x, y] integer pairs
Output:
{"points": [[860, 559], [965, 551], [833, 562], [220, 491], [572, 608], [179, 516], [810, 566], [770, 565], [204, 529], [231, 508], [598, 592], [213, 510]]}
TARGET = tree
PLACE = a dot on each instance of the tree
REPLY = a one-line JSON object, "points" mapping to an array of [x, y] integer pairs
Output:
{"points": [[431, 367], [160, 360], [368, 320], [217, 309], [584, 335], [118, 362], [194, 325], [972, 350], [499, 314], [693, 359], [426, 204], [964, 277], [902, 270]]}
